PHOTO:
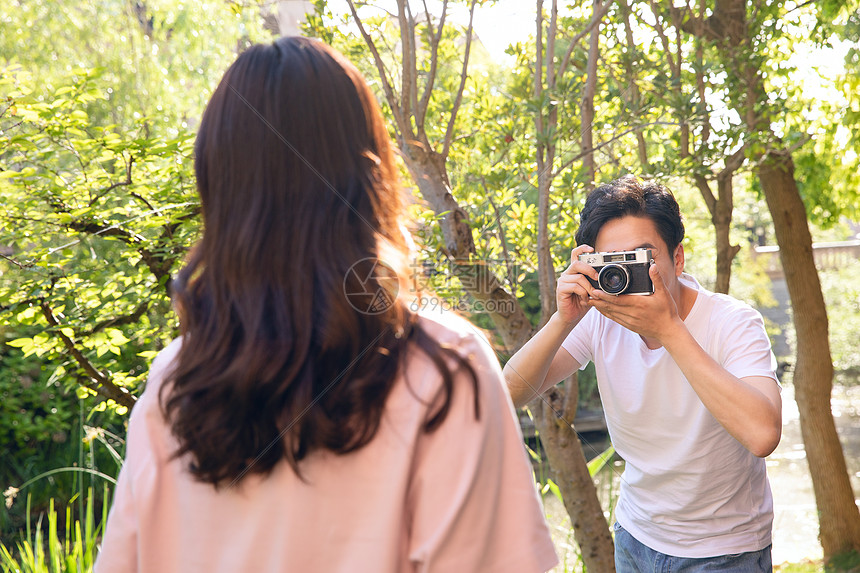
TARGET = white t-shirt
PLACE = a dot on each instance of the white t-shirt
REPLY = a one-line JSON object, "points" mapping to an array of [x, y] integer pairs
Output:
{"points": [[689, 489]]}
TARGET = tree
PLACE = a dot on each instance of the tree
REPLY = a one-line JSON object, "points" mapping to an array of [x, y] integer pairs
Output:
{"points": [[98, 196], [554, 412], [426, 151], [95, 224], [700, 162], [684, 89], [740, 38]]}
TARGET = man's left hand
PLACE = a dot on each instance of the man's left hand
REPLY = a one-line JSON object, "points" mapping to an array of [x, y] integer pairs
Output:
{"points": [[654, 316]]}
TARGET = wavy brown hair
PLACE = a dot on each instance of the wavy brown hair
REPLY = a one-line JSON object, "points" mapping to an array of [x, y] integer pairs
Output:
{"points": [[297, 181]]}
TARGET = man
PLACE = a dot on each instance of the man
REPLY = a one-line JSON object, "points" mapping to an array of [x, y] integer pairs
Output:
{"points": [[688, 387]]}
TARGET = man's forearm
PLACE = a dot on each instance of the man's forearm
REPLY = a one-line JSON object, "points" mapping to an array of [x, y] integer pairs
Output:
{"points": [[748, 409], [526, 371]]}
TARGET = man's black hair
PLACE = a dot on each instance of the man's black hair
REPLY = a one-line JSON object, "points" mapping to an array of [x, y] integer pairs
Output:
{"points": [[630, 196]]}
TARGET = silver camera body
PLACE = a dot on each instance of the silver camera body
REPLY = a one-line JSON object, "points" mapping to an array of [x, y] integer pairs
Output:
{"points": [[621, 272]]}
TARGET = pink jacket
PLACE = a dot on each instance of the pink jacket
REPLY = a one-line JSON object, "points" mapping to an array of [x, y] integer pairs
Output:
{"points": [[459, 499]]}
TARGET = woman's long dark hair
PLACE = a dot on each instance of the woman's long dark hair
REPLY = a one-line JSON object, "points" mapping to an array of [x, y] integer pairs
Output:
{"points": [[298, 183]]}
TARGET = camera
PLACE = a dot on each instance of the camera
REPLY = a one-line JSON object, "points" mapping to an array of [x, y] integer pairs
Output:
{"points": [[622, 272]]}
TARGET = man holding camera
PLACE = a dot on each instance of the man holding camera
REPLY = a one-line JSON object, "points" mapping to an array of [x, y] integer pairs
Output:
{"points": [[687, 381]]}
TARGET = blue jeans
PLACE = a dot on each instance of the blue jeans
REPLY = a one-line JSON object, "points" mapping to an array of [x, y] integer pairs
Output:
{"points": [[631, 556]]}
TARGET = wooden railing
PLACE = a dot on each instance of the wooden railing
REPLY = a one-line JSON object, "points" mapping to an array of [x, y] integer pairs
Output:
{"points": [[826, 255]]}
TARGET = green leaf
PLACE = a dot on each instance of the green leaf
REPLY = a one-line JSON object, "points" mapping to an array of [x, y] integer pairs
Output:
{"points": [[553, 487], [20, 342], [600, 461], [117, 338]]}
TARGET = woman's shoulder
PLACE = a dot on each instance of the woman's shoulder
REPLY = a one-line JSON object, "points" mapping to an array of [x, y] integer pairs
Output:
{"points": [[457, 336], [159, 372], [149, 442], [451, 330], [163, 363]]}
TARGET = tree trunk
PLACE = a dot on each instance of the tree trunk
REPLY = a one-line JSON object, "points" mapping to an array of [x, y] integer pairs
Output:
{"points": [[554, 412], [544, 126], [476, 276], [839, 519], [722, 220], [720, 208], [635, 103], [725, 254], [426, 163], [546, 268], [587, 112]]}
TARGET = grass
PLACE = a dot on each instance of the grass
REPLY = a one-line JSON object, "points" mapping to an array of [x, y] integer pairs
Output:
{"points": [[804, 567], [57, 550], [844, 563]]}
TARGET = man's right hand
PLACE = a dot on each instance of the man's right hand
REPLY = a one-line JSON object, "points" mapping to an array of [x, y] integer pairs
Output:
{"points": [[573, 289]]}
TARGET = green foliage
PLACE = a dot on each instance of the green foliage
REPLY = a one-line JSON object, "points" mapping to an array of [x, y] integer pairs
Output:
{"points": [[98, 204], [94, 220], [44, 426], [98, 103], [158, 58], [78, 455], [34, 409]]}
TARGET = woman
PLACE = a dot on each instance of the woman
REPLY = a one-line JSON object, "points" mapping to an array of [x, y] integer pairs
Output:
{"points": [[292, 427]]}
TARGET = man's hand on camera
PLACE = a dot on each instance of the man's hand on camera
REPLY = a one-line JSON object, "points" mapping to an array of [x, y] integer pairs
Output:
{"points": [[573, 289], [654, 316]]}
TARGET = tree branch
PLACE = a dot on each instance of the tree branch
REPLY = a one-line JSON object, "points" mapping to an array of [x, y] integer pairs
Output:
{"points": [[119, 320], [16, 263], [446, 144], [707, 194], [113, 186], [157, 262], [609, 141], [734, 162], [635, 95], [28, 301], [538, 81], [154, 261], [596, 17], [408, 78], [143, 200], [421, 112], [700, 78], [105, 387], [661, 33], [402, 125], [587, 106], [550, 45]]}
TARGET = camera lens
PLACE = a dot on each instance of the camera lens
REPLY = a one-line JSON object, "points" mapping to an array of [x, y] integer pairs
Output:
{"points": [[613, 279]]}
